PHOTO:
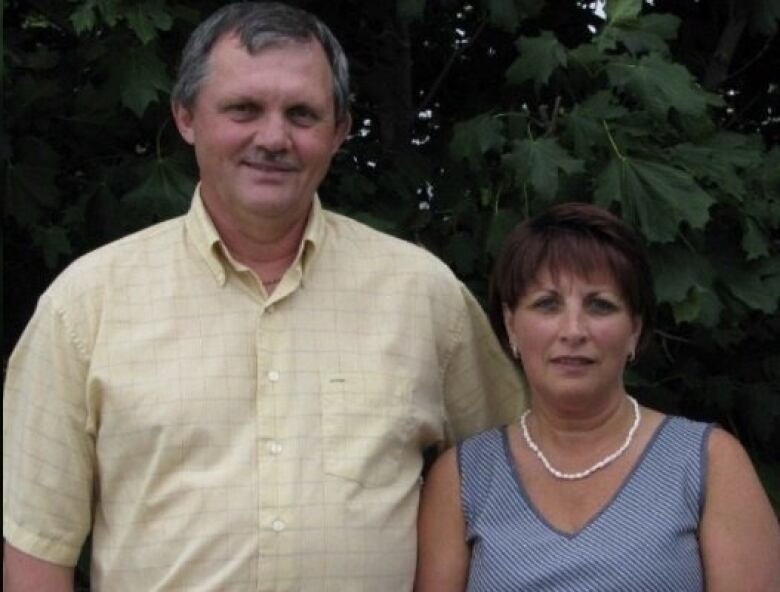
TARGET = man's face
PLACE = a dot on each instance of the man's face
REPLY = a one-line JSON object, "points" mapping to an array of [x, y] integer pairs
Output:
{"points": [[264, 130]]}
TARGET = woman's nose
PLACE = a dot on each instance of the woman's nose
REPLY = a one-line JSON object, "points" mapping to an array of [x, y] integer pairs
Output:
{"points": [[572, 326]]}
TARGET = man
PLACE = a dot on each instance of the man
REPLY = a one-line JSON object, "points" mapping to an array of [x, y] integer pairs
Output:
{"points": [[238, 399]]}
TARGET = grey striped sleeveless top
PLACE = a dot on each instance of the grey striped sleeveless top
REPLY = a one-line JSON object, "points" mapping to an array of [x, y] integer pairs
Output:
{"points": [[644, 539]]}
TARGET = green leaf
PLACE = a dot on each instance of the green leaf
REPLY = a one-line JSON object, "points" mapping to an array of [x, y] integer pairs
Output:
{"points": [[676, 270], [473, 138], [376, 222], [687, 310], [30, 92], [165, 192], [643, 34], [54, 243], [770, 174], [622, 10], [539, 57], [500, 226], [764, 17], [109, 10], [584, 124], [31, 181], [738, 150], [755, 242], [587, 55], [749, 287], [684, 279], [702, 163], [764, 412], [83, 18], [463, 253], [147, 18], [660, 85], [410, 10], [356, 184], [503, 14], [653, 196], [141, 76], [538, 162]]}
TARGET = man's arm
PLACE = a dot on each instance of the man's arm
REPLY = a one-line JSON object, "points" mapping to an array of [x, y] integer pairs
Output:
{"points": [[23, 572], [482, 387], [48, 452]]}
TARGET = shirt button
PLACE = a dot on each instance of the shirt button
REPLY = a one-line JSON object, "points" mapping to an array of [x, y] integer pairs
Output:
{"points": [[275, 448], [273, 376], [278, 525]]}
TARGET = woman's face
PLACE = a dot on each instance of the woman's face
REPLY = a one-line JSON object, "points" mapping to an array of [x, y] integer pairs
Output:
{"points": [[573, 336]]}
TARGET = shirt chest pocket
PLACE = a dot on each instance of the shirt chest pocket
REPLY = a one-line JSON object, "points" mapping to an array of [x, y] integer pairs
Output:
{"points": [[366, 425]]}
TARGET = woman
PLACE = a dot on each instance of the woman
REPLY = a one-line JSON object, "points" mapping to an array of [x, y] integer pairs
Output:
{"points": [[589, 490]]}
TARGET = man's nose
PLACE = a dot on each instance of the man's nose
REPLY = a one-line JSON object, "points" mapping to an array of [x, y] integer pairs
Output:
{"points": [[272, 133]]}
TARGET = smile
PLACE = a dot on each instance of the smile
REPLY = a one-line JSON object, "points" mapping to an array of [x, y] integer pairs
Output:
{"points": [[572, 361], [270, 167]]}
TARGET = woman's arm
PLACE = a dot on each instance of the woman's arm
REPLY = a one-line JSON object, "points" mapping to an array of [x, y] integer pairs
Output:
{"points": [[739, 534], [25, 573], [442, 553]]}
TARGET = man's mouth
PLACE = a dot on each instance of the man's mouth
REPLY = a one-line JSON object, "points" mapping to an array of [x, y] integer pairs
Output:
{"points": [[270, 167]]}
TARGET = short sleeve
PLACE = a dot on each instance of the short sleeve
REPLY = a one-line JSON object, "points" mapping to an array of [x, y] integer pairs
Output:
{"points": [[482, 388], [48, 452]]}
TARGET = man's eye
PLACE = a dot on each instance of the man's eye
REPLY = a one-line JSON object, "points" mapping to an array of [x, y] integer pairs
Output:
{"points": [[302, 115], [242, 109]]}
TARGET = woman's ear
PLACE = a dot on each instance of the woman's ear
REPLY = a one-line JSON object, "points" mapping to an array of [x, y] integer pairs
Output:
{"points": [[508, 322], [636, 334]]}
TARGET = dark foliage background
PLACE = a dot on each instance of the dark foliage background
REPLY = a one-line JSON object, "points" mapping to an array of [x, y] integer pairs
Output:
{"points": [[469, 116]]}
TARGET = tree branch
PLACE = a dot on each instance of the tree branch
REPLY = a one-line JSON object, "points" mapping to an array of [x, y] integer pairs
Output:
{"points": [[718, 67], [448, 66], [752, 60]]}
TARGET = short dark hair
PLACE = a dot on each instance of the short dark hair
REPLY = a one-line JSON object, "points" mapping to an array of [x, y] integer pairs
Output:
{"points": [[259, 25], [578, 238]]}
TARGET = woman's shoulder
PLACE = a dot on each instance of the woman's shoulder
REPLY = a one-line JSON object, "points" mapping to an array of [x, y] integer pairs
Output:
{"points": [[481, 446]]}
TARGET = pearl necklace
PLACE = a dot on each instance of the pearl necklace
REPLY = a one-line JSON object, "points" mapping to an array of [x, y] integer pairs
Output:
{"points": [[599, 465]]}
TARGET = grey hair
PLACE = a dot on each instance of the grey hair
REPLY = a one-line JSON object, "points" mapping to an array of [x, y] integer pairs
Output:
{"points": [[259, 25]]}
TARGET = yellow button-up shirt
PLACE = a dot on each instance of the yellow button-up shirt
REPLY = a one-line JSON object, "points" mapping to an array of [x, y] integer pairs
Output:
{"points": [[217, 438]]}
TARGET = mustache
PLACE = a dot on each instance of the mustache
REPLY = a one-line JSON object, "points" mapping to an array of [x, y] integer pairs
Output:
{"points": [[272, 161]]}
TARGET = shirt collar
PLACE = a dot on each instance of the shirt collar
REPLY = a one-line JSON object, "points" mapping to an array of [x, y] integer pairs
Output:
{"points": [[209, 245]]}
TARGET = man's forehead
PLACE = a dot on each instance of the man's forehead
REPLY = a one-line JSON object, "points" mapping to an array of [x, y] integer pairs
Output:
{"points": [[265, 41]]}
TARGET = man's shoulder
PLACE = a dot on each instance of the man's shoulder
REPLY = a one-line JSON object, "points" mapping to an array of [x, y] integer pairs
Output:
{"points": [[145, 248], [371, 244]]}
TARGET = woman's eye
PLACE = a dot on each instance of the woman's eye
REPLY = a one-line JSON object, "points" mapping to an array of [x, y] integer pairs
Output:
{"points": [[602, 306], [546, 303]]}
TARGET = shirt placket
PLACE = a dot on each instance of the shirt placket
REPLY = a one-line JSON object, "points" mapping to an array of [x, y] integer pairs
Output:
{"points": [[270, 449]]}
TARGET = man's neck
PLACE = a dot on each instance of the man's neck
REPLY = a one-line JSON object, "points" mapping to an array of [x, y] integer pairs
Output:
{"points": [[267, 247]]}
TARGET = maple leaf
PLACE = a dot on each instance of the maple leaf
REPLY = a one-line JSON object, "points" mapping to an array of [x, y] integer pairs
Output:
{"points": [[660, 85], [539, 57], [473, 138], [653, 196], [140, 76], [539, 161]]}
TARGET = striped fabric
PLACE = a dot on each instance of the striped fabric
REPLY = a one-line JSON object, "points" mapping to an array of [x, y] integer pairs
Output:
{"points": [[645, 539]]}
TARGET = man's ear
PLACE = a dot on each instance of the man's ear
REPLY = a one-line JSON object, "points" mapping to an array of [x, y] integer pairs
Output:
{"points": [[343, 127], [184, 118]]}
